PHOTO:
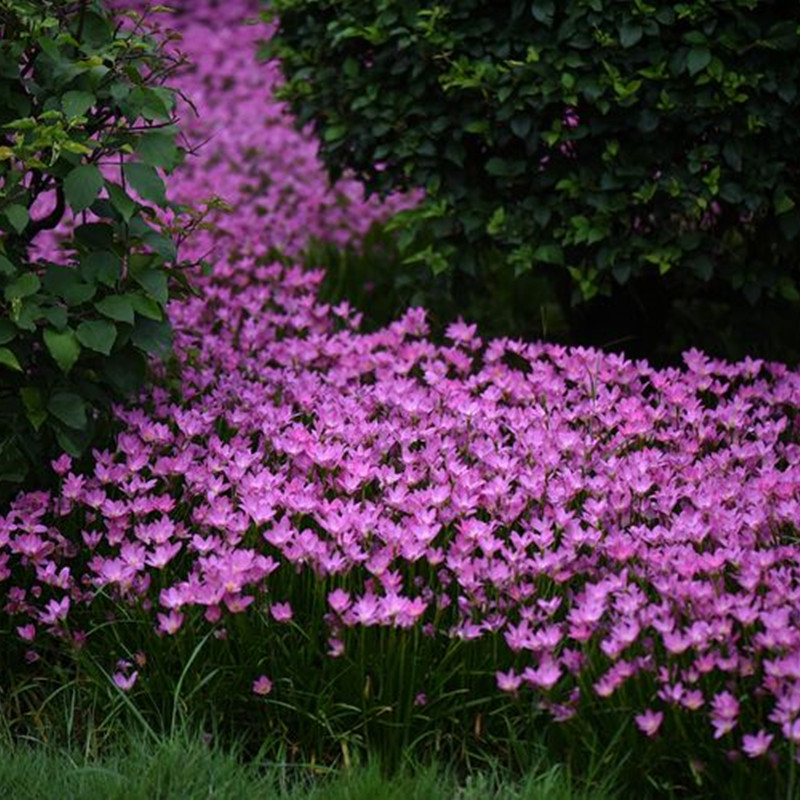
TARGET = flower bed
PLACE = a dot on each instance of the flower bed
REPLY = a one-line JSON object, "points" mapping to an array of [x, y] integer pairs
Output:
{"points": [[606, 535]]}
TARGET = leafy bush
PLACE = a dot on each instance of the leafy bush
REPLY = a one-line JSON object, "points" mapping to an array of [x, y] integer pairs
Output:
{"points": [[87, 126], [649, 145]]}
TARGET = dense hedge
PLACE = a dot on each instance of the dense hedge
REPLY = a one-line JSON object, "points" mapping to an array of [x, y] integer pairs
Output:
{"points": [[88, 130], [649, 145]]}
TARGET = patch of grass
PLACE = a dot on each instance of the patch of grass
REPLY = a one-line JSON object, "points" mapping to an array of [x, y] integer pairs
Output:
{"points": [[184, 767]]}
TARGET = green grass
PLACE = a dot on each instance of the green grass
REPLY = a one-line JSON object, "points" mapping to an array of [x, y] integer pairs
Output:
{"points": [[188, 768]]}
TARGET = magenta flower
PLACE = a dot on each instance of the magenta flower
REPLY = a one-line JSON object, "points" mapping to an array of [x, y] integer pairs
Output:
{"points": [[125, 682], [649, 722], [170, 622], [27, 632], [262, 685], [757, 744], [281, 612], [508, 681]]}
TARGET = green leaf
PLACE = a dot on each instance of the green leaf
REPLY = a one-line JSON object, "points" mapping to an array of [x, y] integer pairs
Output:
{"points": [[18, 216], [698, 59], [122, 201], [783, 203], [333, 133], [154, 282], [153, 337], [6, 267], [630, 34], [158, 150], [147, 307], [66, 283], [69, 408], [76, 104], [126, 371], [35, 408], [116, 307], [146, 182], [82, 187], [549, 254], [543, 11], [521, 125], [95, 235], [8, 359], [98, 335], [63, 346], [24, 286], [55, 315], [103, 266], [8, 331]]}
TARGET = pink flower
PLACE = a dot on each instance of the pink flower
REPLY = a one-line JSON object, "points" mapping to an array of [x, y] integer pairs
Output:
{"points": [[755, 745], [508, 681], [335, 648], [62, 465], [125, 682], [27, 632], [262, 685], [281, 612], [170, 622], [649, 722]]}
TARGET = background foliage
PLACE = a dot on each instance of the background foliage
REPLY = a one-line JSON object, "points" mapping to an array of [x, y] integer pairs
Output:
{"points": [[639, 157], [87, 131]]}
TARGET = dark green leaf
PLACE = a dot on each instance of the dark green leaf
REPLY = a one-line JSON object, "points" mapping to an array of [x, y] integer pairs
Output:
{"points": [[630, 34], [154, 282], [158, 150], [8, 359], [69, 408], [153, 337], [63, 347], [102, 266], [8, 331], [126, 371], [549, 254], [82, 187], [73, 441], [147, 307], [55, 315], [116, 307], [98, 335], [96, 235], [698, 59], [6, 267], [76, 103], [18, 217], [121, 200], [66, 283], [146, 182], [35, 408], [24, 286], [543, 11], [521, 125]]}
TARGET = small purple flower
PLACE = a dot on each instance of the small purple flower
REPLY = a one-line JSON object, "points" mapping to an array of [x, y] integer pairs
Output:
{"points": [[281, 612], [262, 685], [649, 722], [125, 682], [757, 744]]}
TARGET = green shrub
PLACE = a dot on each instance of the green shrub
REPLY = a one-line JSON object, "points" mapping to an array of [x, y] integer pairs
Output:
{"points": [[648, 151], [86, 127]]}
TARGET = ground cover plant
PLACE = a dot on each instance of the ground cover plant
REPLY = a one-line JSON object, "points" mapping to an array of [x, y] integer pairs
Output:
{"points": [[326, 542]]}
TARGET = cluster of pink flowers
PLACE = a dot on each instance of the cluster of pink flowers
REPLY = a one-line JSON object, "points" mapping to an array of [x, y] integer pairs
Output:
{"points": [[565, 501]]}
